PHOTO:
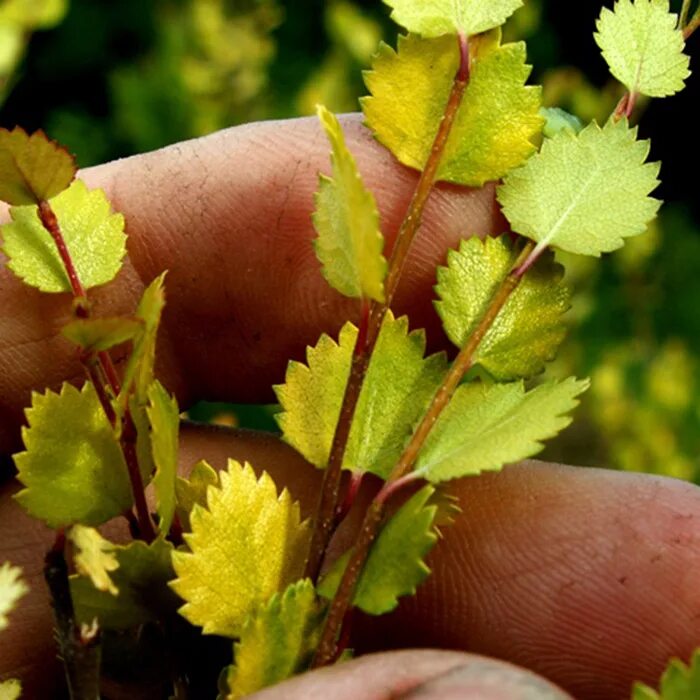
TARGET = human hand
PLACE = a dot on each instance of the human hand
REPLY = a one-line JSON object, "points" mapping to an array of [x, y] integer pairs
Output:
{"points": [[586, 576]]}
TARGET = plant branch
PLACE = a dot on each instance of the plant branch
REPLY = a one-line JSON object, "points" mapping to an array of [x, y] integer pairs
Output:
{"points": [[108, 372], [342, 600], [79, 646], [373, 317]]}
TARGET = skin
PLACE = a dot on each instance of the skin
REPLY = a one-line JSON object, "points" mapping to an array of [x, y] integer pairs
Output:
{"points": [[584, 576]]}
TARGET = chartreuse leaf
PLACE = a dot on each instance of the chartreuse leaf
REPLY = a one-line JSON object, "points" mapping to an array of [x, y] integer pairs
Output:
{"points": [[10, 690], [98, 334], [94, 557], [349, 243], [399, 383], [557, 120], [139, 370], [141, 581], [93, 235], [246, 545], [164, 417], [72, 467], [32, 168], [485, 427], [433, 18], [395, 565], [563, 195], [497, 121], [193, 490], [643, 46], [527, 331], [12, 588], [276, 642], [679, 682]]}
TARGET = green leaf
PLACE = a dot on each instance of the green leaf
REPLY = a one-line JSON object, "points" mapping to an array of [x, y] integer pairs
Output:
{"points": [[248, 544], [12, 588], [32, 168], [557, 120], [527, 331], [349, 243], [399, 383], [93, 235], [485, 427], [395, 565], [432, 18], [643, 46], [164, 417], [564, 196], [98, 334], [10, 690], [139, 372], [679, 682], [277, 641], [72, 466], [497, 121], [141, 579], [94, 557], [193, 490]]}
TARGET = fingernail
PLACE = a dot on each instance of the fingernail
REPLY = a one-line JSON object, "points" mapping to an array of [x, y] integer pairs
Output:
{"points": [[485, 679]]}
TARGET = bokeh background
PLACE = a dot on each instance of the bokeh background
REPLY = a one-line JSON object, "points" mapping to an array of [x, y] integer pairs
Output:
{"points": [[110, 78]]}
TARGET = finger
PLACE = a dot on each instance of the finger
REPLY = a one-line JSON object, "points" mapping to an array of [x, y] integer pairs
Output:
{"points": [[229, 217], [416, 675], [588, 577], [584, 576]]}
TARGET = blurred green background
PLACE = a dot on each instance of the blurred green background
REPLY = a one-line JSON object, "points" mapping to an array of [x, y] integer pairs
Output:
{"points": [[113, 78]]}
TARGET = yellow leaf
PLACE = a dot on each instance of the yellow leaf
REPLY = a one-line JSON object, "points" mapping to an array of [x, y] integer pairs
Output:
{"points": [[95, 557], [248, 544]]}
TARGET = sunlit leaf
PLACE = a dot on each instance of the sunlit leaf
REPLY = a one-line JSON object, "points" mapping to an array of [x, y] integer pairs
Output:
{"points": [[93, 235], [643, 46], [276, 642], [193, 490], [141, 579], [10, 690], [248, 544], [395, 566], [32, 168], [527, 331], [72, 467], [496, 124], [564, 196], [12, 588], [94, 557], [164, 417], [679, 682], [97, 334], [433, 18], [349, 243], [139, 372], [400, 382], [485, 427]]}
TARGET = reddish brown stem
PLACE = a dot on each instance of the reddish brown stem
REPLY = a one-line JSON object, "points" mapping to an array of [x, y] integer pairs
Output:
{"points": [[414, 215], [50, 223], [374, 317], [128, 436], [370, 527]]}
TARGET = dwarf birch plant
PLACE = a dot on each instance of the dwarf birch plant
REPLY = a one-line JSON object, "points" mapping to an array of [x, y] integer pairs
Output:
{"points": [[228, 553]]}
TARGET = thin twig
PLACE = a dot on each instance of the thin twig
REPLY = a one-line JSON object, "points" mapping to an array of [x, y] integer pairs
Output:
{"points": [[79, 646], [342, 600], [373, 317]]}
